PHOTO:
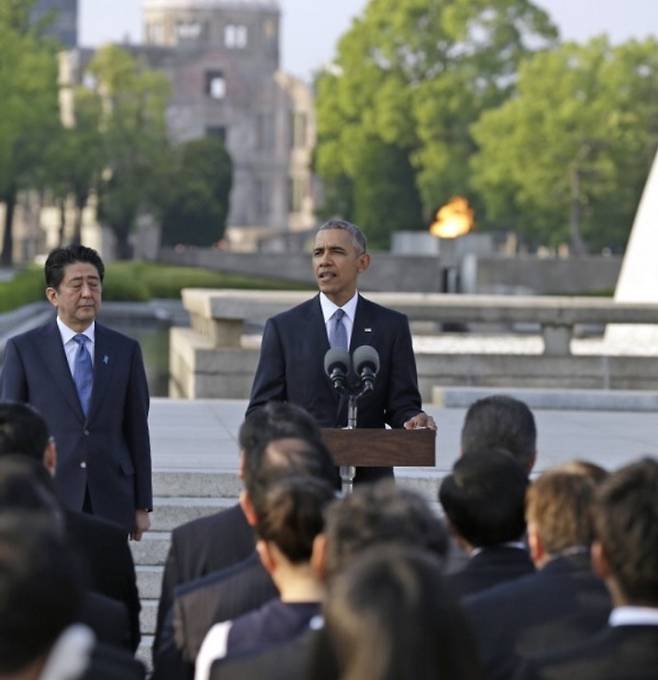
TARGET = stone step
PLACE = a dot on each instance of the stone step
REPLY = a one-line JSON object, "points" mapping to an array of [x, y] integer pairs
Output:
{"points": [[170, 512], [147, 616], [197, 483], [149, 581], [152, 549]]}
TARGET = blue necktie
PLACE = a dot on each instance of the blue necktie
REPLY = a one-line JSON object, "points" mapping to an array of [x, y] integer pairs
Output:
{"points": [[337, 331], [83, 372]]}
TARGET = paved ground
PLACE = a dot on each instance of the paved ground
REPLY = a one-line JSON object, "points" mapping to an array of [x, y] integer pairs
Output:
{"points": [[202, 435]]}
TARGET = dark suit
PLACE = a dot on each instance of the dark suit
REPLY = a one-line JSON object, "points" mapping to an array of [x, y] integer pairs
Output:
{"points": [[108, 619], [108, 663], [559, 606], [616, 653], [104, 550], [217, 597], [108, 451], [291, 365], [199, 547], [489, 568]]}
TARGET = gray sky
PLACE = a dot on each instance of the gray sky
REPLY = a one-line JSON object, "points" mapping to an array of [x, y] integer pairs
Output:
{"points": [[311, 27]]}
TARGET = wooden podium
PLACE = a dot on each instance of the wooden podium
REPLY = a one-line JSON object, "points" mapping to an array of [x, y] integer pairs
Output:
{"points": [[375, 447]]}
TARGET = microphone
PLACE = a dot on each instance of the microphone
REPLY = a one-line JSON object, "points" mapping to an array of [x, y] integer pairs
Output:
{"points": [[366, 365], [337, 364]]}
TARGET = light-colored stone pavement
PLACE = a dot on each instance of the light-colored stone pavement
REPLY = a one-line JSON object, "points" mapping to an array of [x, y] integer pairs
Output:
{"points": [[202, 436]]}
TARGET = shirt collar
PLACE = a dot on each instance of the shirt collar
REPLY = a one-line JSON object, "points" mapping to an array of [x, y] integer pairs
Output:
{"points": [[634, 616], [328, 307], [68, 333], [520, 545]]}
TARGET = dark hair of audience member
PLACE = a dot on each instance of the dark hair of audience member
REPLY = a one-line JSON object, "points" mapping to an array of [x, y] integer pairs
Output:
{"points": [[500, 421], [559, 504], [22, 430], [40, 588], [293, 515], [285, 458], [626, 524], [380, 514], [483, 498], [388, 616], [60, 258], [26, 485]]}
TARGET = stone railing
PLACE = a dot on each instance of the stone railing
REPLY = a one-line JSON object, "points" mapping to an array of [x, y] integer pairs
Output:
{"points": [[217, 356], [220, 315]]}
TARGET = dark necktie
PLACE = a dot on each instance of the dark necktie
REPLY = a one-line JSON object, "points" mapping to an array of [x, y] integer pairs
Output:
{"points": [[83, 372], [337, 331]]}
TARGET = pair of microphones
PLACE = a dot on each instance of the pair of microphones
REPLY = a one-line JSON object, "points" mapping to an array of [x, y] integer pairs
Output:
{"points": [[364, 361]]}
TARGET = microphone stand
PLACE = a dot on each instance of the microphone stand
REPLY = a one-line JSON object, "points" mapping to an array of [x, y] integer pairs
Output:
{"points": [[348, 472]]}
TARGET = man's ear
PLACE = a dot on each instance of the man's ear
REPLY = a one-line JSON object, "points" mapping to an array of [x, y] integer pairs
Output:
{"points": [[50, 457], [51, 296], [364, 262], [248, 508], [536, 545], [265, 555], [319, 556], [600, 563], [241, 468]]}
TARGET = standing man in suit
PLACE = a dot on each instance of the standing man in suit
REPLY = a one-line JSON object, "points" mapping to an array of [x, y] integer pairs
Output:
{"points": [[295, 342], [89, 384]]}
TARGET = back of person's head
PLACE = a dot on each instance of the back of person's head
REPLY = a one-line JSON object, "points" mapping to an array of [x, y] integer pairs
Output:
{"points": [[484, 496], [626, 526], [558, 508], [293, 515], [500, 421], [380, 514], [591, 470], [389, 616], [40, 591], [60, 258], [26, 485], [283, 458], [22, 430]]}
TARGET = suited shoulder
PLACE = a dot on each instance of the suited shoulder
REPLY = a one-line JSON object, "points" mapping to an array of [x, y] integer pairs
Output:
{"points": [[115, 337], [381, 312], [297, 312]]}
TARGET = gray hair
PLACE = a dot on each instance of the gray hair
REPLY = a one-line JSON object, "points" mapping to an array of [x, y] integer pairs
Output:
{"points": [[358, 237]]}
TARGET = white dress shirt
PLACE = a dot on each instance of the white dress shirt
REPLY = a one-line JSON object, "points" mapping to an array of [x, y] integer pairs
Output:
{"points": [[71, 346], [328, 309], [634, 616]]}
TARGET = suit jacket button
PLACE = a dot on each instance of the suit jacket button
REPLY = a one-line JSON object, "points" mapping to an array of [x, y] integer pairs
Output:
{"points": [[83, 465], [86, 433]]}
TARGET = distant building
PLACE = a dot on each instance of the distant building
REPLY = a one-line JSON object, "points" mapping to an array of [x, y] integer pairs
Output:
{"points": [[65, 23]]}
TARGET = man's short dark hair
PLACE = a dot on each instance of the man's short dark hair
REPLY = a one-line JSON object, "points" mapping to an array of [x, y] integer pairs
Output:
{"points": [[60, 258], [40, 591], [358, 237], [293, 515], [484, 497], [380, 514], [500, 421], [22, 430], [26, 485], [626, 524]]}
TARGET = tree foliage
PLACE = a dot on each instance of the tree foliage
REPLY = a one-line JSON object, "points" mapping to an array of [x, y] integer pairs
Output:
{"points": [[570, 152], [408, 80], [199, 187]]}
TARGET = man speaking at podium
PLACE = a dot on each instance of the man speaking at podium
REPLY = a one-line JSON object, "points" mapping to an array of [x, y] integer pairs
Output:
{"points": [[291, 365]]}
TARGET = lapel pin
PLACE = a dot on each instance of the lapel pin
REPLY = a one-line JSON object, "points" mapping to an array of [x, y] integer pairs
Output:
{"points": [[106, 360], [367, 330]]}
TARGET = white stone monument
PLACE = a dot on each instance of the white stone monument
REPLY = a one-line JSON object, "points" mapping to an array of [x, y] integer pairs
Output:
{"points": [[638, 279]]}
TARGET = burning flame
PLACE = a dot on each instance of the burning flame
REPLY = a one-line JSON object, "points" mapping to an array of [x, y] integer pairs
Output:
{"points": [[454, 219]]}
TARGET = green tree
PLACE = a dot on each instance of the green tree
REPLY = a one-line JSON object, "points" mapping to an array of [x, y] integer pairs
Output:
{"points": [[29, 113], [570, 152], [410, 77], [135, 139], [199, 189]]}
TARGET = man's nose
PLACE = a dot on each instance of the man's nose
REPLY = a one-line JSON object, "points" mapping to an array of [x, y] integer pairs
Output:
{"points": [[86, 290]]}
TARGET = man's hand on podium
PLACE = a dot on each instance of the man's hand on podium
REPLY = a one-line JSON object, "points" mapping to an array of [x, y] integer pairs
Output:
{"points": [[420, 420]]}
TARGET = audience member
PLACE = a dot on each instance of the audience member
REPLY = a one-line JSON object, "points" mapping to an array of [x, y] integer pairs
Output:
{"points": [[483, 499], [221, 540], [102, 545], [40, 593], [291, 520], [501, 422], [376, 515], [625, 555], [389, 615], [564, 601]]}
